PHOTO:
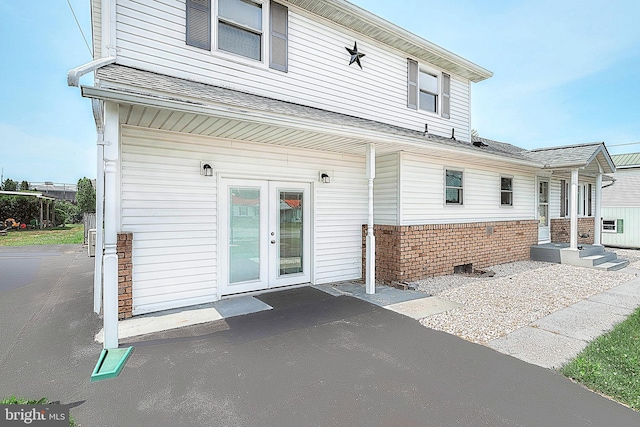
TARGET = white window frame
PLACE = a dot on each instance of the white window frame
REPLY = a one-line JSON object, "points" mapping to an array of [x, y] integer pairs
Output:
{"points": [[509, 191], [610, 230], [438, 75], [445, 186], [264, 36]]}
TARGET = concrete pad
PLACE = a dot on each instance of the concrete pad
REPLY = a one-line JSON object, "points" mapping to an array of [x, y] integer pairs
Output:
{"points": [[173, 319], [384, 296], [630, 288], [585, 320], [423, 307], [539, 347], [617, 299], [240, 306]]}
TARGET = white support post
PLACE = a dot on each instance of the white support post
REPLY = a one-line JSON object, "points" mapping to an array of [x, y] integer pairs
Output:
{"points": [[597, 220], [371, 240], [110, 260], [574, 210], [97, 272]]}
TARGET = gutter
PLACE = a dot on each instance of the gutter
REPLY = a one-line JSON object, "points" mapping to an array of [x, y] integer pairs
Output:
{"points": [[73, 75], [238, 113]]}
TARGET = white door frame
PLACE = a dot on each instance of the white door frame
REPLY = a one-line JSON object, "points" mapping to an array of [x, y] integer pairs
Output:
{"points": [[269, 262], [544, 232]]}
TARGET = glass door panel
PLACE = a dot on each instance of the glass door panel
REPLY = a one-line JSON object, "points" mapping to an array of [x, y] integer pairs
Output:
{"points": [[244, 234], [290, 232]]}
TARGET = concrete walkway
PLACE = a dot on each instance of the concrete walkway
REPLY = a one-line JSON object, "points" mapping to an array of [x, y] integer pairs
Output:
{"points": [[552, 341]]}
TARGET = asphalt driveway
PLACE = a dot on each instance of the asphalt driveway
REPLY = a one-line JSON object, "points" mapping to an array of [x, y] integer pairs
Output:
{"points": [[314, 360]]}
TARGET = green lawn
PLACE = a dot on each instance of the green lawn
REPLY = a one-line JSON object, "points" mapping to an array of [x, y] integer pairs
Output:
{"points": [[611, 363], [69, 234]]}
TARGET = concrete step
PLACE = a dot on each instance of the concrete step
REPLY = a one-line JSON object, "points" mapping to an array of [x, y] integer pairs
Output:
{"points": [[594, 260], [617, 264], [589, 250]]}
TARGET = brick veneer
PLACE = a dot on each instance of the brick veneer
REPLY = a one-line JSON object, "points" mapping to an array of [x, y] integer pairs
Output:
{"points": [[125, 282], [561, 229], [414, 252]]}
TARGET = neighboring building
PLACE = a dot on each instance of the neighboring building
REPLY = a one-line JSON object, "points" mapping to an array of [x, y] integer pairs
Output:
{"points": [[256, 144], [621, 204], [57, 191]]}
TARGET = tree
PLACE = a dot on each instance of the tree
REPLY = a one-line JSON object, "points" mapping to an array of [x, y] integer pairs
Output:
{"points": [[24, 185], [9, 185], [86, 196], [67, 213]]}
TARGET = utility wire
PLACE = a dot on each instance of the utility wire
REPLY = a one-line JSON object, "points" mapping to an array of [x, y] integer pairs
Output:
{"points": [[620, 145], [79, 27]]}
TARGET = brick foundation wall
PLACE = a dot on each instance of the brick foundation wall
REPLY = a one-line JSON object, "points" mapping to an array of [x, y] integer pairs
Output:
{"points": [[561, 230], [409, 253], [125, 281]]}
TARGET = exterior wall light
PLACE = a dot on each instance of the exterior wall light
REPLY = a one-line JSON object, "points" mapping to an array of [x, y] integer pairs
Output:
{"points": [[207, 170], [325, 178]]}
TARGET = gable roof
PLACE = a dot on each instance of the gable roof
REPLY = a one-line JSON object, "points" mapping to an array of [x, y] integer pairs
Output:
{"points": [[364, 22], [624, 161], [574, 156]]}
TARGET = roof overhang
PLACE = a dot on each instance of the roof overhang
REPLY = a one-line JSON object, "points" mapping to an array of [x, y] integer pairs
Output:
{"points": [[295, 131], [27, 194], [366, 23]]}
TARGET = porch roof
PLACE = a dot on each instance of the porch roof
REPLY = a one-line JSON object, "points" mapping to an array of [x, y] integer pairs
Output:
{"points": [[591, 157], [228, 113]]}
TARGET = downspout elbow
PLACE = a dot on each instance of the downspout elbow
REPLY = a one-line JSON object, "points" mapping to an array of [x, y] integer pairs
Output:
{"points": [[73, 75]]}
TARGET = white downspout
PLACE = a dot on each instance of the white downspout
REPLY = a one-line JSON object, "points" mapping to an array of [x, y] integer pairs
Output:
{"points": [[371, 240], [597, 220], [574, 210]]}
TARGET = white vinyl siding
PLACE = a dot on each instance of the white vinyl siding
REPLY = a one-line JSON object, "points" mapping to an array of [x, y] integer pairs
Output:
{"points": [[629, 236], [151, 36], [96, 27], [423, 193], [171, 210], [385, 190], [626, 190]]}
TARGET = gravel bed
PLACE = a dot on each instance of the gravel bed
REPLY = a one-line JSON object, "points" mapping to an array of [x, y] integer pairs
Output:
{"points": [[519, 294], [631, 255]]}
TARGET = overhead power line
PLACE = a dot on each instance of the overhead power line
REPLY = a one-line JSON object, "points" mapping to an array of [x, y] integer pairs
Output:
{"points": [[620, 145], [79, 27]]}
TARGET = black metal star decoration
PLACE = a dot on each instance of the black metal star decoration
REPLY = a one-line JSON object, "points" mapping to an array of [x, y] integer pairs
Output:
{"points": [[355, 55]]}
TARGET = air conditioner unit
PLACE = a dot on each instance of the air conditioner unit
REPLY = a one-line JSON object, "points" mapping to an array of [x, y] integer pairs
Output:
{"points": [[91, 246]]}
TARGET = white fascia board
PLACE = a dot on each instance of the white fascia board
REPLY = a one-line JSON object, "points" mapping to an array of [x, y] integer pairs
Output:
{"points": [[268, 118]]}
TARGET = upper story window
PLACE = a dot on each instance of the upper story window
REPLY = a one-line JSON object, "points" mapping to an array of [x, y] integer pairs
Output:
{"points": [[454, 186], [240, 28], [428, 90]]}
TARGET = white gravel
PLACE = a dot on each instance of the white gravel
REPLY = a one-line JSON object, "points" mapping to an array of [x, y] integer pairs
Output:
{"points": [[519, 294], [631, 255]]}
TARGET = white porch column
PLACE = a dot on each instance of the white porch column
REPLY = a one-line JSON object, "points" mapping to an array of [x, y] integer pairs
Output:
{"points": [[574, 209], [597, 220], [97, 272], [110, 261], [371, 239]]}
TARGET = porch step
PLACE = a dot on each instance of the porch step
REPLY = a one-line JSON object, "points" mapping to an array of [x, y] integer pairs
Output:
{"points": [[589, 256], [616, 264]]}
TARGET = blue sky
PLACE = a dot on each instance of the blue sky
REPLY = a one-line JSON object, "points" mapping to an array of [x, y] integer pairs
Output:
{"points": [[565, 72]]}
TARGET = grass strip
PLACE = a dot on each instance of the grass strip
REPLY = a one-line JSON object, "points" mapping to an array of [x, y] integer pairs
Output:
{"points": [[611, 363], [70, 234]]}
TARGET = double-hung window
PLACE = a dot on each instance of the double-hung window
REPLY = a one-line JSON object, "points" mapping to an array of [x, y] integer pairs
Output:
{"points": [[428, 90], [613, 226], [454, 187], [506, 191], [240, 27]]}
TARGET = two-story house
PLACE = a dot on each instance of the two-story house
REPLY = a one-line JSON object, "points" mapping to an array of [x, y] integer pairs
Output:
{"points": [[246, 145]]}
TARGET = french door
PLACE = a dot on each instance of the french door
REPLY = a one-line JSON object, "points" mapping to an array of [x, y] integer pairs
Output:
{"points": [[265, 235]]}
